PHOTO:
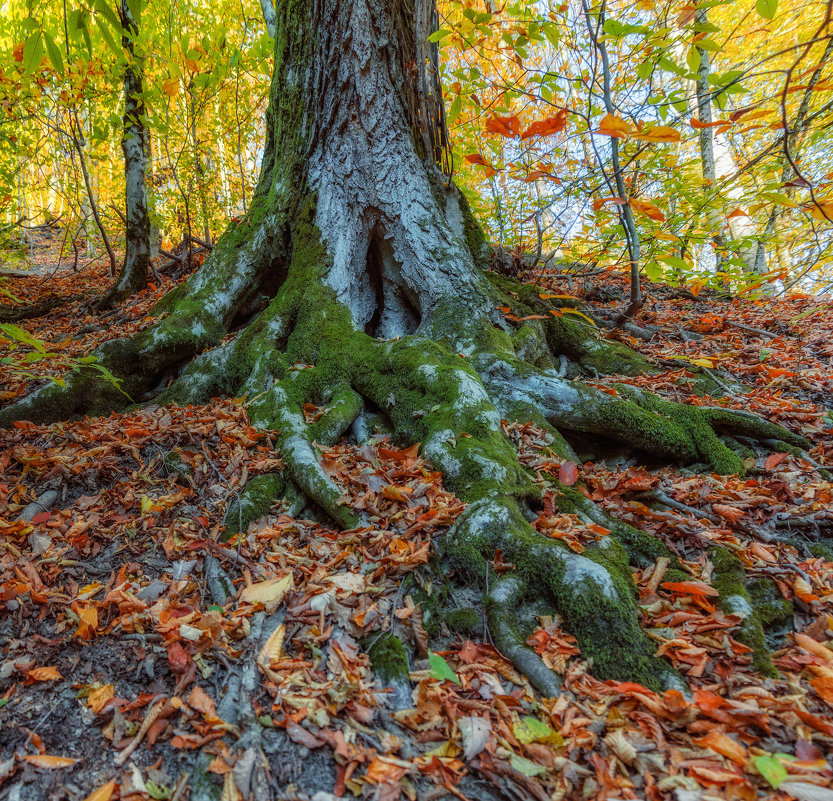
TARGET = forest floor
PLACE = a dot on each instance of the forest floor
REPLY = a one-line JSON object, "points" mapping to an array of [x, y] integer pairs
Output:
{"points": [[115, 659]]}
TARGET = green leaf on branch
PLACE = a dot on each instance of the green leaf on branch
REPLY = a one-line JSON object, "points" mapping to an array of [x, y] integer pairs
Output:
{"points": [[456, 108], [54, 53], [32, 52], [440, 34]]}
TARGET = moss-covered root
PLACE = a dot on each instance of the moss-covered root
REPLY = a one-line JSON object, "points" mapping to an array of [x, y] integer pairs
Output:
{"points": [[502, 603], [277, 409], [594, 591], [729, 579], [390, 663], [255, 501], [199, 313]]}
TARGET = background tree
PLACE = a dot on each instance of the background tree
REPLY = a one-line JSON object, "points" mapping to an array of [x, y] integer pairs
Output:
{"points": [[135, 146]]}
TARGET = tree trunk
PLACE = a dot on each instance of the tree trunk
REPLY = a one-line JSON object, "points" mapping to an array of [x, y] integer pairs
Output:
{"points": [[355, 282], [708, 161], [133, 276]]}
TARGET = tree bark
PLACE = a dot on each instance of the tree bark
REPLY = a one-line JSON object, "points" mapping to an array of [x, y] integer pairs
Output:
{"points": [[133, 276], [355, 280]]}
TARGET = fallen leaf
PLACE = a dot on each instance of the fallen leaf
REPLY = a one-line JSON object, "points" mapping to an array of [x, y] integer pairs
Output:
{"points": [[48, 762], [49, 673], [725, 746], [103, 793], [270, 591], [475, 732]]}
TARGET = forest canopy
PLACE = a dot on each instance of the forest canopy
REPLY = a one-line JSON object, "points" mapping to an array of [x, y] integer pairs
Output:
{"points": [[720, 112]]}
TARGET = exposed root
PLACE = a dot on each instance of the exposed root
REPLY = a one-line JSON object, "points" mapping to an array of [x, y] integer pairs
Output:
{"points": [[449, 393], [502, 603]]}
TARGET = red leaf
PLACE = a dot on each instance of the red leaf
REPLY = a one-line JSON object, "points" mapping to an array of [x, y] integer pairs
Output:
{"points": [[505, 126], [547, 127], [773, 460], [476, 158], [178, 657], [41, 517], [730, 513], [568, 473], [690, 588]]}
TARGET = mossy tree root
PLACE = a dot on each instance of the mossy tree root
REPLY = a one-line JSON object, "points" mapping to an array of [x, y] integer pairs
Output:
{"points": [[729, 579], [447, 386]]}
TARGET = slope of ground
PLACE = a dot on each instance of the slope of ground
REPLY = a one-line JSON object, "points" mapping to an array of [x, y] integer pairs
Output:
{"points": [[125, 672]]}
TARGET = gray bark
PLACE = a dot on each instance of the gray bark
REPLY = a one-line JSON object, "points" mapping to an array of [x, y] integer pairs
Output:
{"points": [[268, 7], [380, 202], [134, 271]]}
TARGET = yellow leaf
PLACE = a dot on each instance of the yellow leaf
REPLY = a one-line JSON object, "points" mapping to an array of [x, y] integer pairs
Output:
{"points": [[271, 650], [659, 133], [703, 363], [568, 310], [98, 698], [104, 793], [267, 592], [822, 211], [171, 87], [614, 126], [48, 762], [230, 791]]}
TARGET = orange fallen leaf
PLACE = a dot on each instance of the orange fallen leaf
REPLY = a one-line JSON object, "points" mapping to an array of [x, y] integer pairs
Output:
{"points": [[201, 701], [814, 647], [730, 513], [104, 793], [49, 673], [690, 588], [724, 745], [823, 685], [48, 762], [98, 699], [773, 460], [87, 619], [803, 590]]}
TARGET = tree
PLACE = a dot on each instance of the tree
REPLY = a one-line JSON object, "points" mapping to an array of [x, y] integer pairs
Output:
{"points": [[357, 280], [134, 271]]}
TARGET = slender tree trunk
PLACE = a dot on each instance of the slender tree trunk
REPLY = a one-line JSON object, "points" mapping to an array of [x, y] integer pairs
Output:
{"points": [[134, 271], [155, 233], [709, 163], [268, 8]]}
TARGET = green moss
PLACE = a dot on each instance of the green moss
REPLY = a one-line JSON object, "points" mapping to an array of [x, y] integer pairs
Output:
{"points": [[389, 660], [176, 466], [257, 498], [822, 551], [594, 592], [464, 621], [729, 579], [675, 429]]}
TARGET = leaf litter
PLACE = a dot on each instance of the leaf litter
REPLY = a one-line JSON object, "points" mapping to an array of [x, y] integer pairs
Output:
{"points": [[117, 657]]}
